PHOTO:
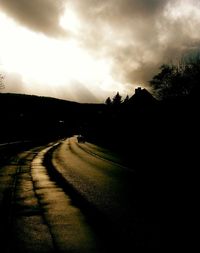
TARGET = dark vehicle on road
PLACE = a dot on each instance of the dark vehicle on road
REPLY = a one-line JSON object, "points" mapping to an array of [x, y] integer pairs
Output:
{"points": [[81, 139]]}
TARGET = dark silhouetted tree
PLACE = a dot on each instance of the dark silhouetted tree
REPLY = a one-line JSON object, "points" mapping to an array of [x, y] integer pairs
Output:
{"points": [[177, 79], [126, 99], [117, 99], [108, 101], [162, 82]]}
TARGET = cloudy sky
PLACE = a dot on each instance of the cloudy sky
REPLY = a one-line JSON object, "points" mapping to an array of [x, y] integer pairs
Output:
{"points": [[86, 50]]}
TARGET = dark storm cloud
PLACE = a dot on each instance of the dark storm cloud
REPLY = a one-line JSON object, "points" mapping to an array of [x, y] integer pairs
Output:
{"points": [[116, 9], [38, 15], [138, 35], [125, 30]]}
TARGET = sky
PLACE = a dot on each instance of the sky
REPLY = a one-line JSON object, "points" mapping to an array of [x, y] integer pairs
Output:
{"points": [[87, 50]]}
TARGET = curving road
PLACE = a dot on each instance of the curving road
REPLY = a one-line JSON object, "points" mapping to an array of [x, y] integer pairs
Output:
{"points": [[69, 197], [107, 187], [97, 176]]}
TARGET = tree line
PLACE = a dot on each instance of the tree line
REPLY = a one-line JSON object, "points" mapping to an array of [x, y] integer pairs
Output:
{"points": [[116, 100], [177, 79], [172, 81]]}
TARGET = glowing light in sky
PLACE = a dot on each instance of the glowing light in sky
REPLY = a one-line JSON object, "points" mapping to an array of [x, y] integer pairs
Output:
{"points": [[46, 60], [49, 61], [70, 21]]}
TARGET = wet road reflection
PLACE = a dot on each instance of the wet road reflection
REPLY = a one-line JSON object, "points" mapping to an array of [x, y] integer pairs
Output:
{"points": [[70, 197]]}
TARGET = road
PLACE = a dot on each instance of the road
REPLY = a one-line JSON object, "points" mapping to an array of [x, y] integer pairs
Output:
{"points": [[69, 197], [98, 177]]}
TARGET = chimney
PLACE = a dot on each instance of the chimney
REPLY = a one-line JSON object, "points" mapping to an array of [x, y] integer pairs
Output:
{"points": [[138, 90]]}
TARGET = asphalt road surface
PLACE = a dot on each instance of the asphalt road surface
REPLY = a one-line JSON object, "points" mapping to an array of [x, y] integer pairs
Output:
{"points": [[71, 197]]}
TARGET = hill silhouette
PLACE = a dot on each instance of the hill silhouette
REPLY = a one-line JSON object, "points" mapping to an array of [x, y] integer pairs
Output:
{"points": [[139, 119], [30, 117]]}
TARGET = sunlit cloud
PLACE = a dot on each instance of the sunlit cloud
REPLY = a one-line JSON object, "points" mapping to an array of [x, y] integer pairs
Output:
{"points": [[139, 35], [69, 21], [45, 61]]}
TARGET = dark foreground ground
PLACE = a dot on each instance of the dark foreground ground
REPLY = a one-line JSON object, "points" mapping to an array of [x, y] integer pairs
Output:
{"points": [[157, 140]]}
